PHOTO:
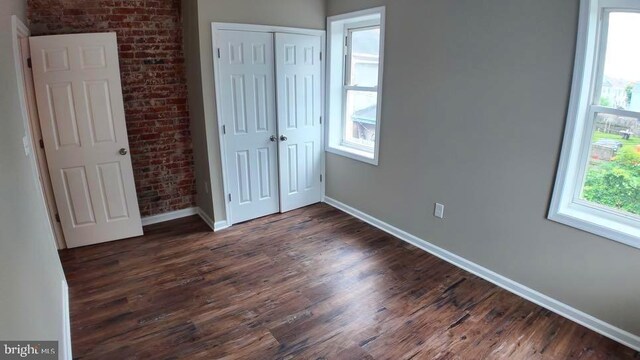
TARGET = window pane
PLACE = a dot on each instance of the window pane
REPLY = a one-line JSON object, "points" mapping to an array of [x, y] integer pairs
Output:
{"points": [[361, 117], [621, 79], [365, 55], [613, 172]]}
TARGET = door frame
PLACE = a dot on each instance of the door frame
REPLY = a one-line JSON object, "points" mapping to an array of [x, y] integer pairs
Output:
{"points": [[220, 26], [40, 173]]}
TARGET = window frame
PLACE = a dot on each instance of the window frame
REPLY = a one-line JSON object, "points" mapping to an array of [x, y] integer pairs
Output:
{"points": [[340, 29], [349, 29], [566, 206]]}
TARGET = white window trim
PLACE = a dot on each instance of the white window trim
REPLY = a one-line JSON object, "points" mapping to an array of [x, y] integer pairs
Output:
{"points": [[336, 66], [566, 207]]}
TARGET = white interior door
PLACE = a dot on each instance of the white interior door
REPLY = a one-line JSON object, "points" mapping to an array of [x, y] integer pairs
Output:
{"points": [[299, 86], [36, 135], [248, 116], [79, 97]]}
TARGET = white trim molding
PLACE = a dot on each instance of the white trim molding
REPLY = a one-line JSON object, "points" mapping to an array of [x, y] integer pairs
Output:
{"points": [[203, 215], [562, 309], [65, 348], [220, 225], [27, 101], [214, 225], [178, 214], [20, 32], [215, 26]]}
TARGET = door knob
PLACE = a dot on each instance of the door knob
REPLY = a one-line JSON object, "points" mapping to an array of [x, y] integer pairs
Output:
{"points": [[273, 138], [283, 138], [123, 151]]}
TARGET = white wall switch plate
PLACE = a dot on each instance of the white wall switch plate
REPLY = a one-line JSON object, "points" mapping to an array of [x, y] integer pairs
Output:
{"points": [[439, 211]]}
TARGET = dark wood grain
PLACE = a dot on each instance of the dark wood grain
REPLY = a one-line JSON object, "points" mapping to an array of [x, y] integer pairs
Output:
{"points": [[314, 283]]}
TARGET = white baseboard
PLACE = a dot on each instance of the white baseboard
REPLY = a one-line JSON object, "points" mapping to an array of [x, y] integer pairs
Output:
{"points": [[149, 220], [207, 219], [65, 347], [562, 309], [214, 225], [221, 225]]}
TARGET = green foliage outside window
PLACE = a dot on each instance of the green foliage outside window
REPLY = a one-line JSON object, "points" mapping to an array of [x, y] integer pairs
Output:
{"points": [[616, 183]]}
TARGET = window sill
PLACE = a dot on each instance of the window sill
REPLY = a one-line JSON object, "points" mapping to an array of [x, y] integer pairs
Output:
{"points": [[587, 219], [352, 153]]}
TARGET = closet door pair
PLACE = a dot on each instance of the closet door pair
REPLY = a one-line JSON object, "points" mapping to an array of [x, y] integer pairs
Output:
{"points": [[270, 108]]}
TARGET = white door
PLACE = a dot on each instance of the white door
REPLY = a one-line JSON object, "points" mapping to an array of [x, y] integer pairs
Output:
{"points": [[299, 86], [248, 117], [79, 97], [36, 135]]}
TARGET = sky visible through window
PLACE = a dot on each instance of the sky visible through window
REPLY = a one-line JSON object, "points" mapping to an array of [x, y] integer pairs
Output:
{"points": [[623, 47]]}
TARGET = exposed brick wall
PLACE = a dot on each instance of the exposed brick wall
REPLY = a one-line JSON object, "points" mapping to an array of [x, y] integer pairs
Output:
{"points": [[153, 83]]}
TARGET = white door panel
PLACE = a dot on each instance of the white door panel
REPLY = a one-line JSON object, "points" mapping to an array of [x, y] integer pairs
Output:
{"points": [[247, 108], [79, 97], [299, 86]]}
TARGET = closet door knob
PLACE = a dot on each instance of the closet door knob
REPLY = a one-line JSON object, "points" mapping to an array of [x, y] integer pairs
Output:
{"points": [[123, 151], [283, 138], [273, 138]]}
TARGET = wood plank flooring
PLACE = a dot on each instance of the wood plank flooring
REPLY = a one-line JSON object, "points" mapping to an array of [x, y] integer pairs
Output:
{"points": [[314, 283]]}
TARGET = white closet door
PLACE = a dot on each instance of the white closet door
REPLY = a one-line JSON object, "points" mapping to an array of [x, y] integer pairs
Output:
{"points": [[247, 104], [79, 96], [299, 86]]}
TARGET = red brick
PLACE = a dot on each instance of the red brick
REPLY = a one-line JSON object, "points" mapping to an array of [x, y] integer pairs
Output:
{"points": [[155, 94]]}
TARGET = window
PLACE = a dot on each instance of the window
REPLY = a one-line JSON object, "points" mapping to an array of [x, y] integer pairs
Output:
{"points": [[598, 182], [356, 43]]}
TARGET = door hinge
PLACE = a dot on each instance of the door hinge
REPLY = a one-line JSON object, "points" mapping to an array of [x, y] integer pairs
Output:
{"points": [[29, 64], [224, 129], [219, 56], [320, 119], [229, 197], [41, 144], [57, 217], [320, 55], [320, 177]]}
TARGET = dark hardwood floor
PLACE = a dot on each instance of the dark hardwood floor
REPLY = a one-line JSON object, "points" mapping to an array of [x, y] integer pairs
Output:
{"points": [[314, 283]]}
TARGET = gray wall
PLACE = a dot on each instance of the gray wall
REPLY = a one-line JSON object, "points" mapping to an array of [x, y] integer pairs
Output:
{"points": [[30, 272], [474, 106], [196, 105], [293, 13]]}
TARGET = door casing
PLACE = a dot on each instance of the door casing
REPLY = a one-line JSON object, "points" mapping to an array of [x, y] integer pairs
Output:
{"points": [[21, 36], [215, 28], [38, 151]]}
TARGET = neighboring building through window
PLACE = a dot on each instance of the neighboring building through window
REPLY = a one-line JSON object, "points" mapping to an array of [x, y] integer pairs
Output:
{"points": [[598, 182], [356, 43]]}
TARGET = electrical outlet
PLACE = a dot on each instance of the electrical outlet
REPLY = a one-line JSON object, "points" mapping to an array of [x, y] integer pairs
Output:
{"points": [[439, 211]]}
